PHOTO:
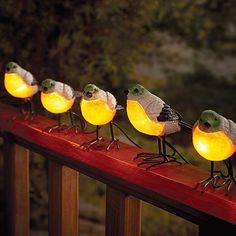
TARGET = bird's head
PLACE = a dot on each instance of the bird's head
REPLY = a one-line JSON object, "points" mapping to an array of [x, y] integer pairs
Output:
{"points": [[210, 121], [90, 91], [48, 85], [11, 67], [136, 91]]}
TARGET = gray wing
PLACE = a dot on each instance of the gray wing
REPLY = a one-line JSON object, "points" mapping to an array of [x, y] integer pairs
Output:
{"points": [[168, 114], [27, 76], [65, 90], [152, 105], [232, 131]]}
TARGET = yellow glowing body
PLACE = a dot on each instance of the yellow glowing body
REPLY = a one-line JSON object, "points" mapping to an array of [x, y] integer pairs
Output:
{"points": [[17, 87], [214, 146], [56, 103], [139, 119], [97, 112]]}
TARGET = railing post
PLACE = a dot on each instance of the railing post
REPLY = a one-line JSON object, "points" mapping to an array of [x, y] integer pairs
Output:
{"points": [[16, 167], [123, 214], [62, 200]]}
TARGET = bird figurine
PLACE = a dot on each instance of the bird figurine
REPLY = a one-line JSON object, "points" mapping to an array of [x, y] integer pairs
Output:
{"points": [[150, 115], [214, 138], [58, 98], [20, 83], [98, 108]]}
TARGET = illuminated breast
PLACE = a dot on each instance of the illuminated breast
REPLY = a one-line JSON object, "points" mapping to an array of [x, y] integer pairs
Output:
{"points": [[96, 112], [17, 87], [214, 146], [56, 103], [141, 121]]}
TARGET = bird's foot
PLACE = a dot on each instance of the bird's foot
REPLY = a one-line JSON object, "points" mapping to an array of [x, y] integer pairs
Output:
{"points": [[147, 156], [55, 128], [113, 142], [208, 181], [75, 128], [229, 182], [87, 145], [151, 162]]}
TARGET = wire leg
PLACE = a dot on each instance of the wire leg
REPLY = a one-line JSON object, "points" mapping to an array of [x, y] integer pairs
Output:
{"points": [[86, 145], [212, 180], [113, 139], [230, 179], [59, 126], [166, 158], [151, 156]]}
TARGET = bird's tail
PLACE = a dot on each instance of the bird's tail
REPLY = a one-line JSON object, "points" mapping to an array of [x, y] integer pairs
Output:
{"points": [[186, 127]]}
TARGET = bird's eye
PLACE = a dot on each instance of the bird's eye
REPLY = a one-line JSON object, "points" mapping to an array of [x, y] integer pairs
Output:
{"points": [[136, 90], [89, 95], [216, 118], [14, 67]]}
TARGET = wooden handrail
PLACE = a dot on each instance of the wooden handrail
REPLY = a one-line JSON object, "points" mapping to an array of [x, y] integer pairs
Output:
{"points": [[168, 187]]}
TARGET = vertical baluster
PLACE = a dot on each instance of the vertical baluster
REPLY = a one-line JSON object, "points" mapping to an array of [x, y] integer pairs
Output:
{"points": [[62, 200], [123, 214], [16, 166]]}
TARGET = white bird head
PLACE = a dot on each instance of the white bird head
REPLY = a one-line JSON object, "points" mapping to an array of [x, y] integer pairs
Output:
{"points": [[11, 67], [48, 85], [137, 91], [91, 92]]}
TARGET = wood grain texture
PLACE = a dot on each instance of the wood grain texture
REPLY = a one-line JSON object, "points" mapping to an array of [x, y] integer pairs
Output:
{"points": [[16, 165], [167, 186], [123, 214], [63, 200]]}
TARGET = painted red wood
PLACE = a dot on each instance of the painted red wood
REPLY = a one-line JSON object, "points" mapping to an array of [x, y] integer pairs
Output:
{"points": [[16, 166], [63, 200], [171, 185]]}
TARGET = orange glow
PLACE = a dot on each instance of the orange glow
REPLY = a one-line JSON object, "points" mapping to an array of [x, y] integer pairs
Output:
{"points": [[214, 146], [96, 112], [17, 87], [56, 103], [141, 121]]}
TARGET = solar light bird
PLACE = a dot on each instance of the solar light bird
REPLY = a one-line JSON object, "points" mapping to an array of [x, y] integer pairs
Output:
{"points": [[150, 115], [58, 98], [214, 138], [98, 108], [20, 83]]}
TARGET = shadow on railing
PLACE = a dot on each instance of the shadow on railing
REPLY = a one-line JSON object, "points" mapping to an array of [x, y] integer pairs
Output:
{"points": [[168, 187]]}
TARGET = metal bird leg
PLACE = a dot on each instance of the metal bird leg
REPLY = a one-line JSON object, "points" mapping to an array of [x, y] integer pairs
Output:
{"points": [[166, 158], [86, 145], [73, 125], [123, 132], [58, 127], [149, 156], [230, 179], [212, 180], [113, 139]]}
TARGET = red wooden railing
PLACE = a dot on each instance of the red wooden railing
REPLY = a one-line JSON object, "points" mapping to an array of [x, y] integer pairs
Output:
{"points": [[167, 187]]}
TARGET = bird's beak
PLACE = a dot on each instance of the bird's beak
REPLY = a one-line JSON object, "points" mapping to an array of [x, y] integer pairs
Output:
{"points": [[126, 92]]}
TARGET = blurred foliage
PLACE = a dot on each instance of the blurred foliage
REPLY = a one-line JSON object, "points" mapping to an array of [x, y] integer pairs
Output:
{"points": [[76, 41], [101, 41], [202, 23]]}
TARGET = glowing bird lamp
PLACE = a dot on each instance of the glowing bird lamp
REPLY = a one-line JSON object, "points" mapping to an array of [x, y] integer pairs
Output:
{"points": [[214, 146], [56, 103], [17, 87], [139, 119], [96, 112]]}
